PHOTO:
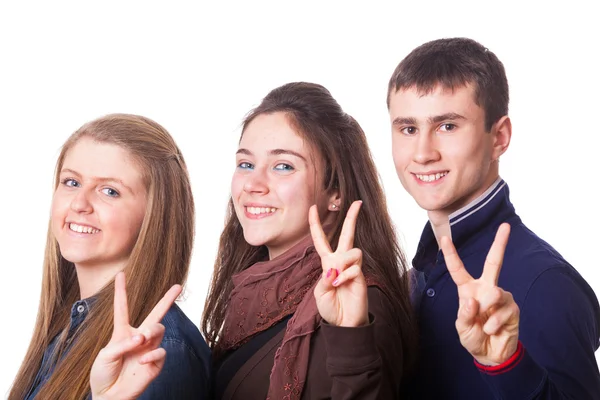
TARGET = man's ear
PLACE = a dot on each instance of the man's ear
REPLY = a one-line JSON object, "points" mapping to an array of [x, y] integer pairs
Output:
{"points": [[502, 131]]}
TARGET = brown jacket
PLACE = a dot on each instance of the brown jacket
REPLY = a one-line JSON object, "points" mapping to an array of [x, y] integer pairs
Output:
{"points": [[345, 363]]}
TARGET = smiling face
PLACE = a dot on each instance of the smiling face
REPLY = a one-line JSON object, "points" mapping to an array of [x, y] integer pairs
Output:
{"points": [[443, 155], [99, 204], [275, 183]]}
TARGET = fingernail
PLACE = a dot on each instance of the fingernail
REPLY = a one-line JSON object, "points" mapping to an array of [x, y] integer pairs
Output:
{"points": [[329, 272], [336, 282]]}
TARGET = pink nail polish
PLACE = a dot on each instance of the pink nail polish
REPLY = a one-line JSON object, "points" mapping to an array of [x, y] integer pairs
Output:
{"points": [[329, 272], [336, 282]]}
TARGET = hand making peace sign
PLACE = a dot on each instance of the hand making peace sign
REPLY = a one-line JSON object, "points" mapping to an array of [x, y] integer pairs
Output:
{"points": [[132, 358], [341, 293], [488, 317]]}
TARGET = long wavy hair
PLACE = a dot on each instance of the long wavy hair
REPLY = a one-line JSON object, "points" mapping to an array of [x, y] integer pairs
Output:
{"points": [[160, 258]]}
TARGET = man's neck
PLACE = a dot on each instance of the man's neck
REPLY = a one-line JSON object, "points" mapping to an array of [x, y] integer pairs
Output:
{"points": [[440, 224]]}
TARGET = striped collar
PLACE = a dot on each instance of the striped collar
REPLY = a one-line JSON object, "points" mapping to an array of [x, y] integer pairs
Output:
{"points": [[477, 204]]}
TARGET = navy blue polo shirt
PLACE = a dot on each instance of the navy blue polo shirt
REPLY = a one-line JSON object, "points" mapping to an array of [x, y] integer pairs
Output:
{"points": [[559, 326]]}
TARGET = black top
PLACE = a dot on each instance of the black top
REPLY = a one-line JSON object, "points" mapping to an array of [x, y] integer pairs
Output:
{"points": [[229, 364]]}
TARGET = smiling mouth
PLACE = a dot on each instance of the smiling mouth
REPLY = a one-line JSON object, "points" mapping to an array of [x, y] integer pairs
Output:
{"points": [[431, 177], [82, 229], [260, 211]]}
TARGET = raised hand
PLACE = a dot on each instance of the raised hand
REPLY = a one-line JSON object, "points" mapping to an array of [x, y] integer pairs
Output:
{"points": [[341, 293], [488, 317], [132, 358]]}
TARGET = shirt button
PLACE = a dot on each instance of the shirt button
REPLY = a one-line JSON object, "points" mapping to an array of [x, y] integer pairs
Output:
{"points": [[80, 308], [430, 292]]}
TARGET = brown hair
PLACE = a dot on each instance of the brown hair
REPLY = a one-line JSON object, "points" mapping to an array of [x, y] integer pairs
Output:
{"points": [[349, 168], [159, 259], [454, 63]]}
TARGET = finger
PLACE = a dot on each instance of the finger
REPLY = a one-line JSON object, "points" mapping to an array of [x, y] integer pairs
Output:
{"points": [[456, 268], [492, 298], [161, 308], [495, 257], [502, 317], [346, 241], [352, 273], [114, 351], [153, 333], [154, 356], [342, 261], [316, 231], [325, 284], [121, 311], [467, 316]]}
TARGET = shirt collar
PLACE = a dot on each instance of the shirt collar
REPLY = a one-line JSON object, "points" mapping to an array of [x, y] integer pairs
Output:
{"points": [[489, 209]]}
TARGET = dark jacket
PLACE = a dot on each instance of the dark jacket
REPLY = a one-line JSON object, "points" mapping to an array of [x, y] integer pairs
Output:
{"points": [[559, 325], [345, 363]]}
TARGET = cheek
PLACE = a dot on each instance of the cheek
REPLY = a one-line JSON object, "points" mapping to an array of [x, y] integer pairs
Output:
{"points": [[237, 185], [123, 224], [58, 212], [466, 148], [299, 192], [401, 153]]}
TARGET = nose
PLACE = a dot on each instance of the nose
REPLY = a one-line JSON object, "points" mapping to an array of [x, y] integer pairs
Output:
{"points": [[257, 182], [426, 150], [81, 203]]}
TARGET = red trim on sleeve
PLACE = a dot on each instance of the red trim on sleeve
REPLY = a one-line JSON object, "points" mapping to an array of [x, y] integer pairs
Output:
{"points": [[505, 366]]}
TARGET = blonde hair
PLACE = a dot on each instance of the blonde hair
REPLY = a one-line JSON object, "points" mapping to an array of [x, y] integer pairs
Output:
{"points": [[159, 259]]}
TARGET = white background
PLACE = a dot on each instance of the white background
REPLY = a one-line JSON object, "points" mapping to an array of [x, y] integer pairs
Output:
{"points": [[197, 69]]}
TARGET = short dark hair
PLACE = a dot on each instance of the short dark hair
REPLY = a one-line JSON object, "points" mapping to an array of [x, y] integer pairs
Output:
{"points": [[453, 63]]}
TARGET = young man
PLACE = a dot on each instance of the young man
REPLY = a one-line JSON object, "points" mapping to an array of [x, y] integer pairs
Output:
{"points": [[503, 315]]}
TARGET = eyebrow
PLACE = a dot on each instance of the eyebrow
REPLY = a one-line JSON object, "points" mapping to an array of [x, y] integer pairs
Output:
{"points": [[274, 152], [445, 117], [101, 179], [432, 120]]}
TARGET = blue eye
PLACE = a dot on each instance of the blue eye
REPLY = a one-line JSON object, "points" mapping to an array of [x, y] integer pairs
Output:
{"points": [[110, 192], [70, 182], [245, 165], [283, 167]]}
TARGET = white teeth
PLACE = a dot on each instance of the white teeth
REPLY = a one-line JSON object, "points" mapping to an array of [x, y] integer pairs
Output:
{"points": [[260, 210], [82, 229], [431, 177]]}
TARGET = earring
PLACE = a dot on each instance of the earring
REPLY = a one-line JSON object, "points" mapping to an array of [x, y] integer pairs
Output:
{"points": [[333, 206]]}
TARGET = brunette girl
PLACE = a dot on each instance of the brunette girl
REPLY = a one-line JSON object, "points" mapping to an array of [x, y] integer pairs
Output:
{"points": [[285, 315]]}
